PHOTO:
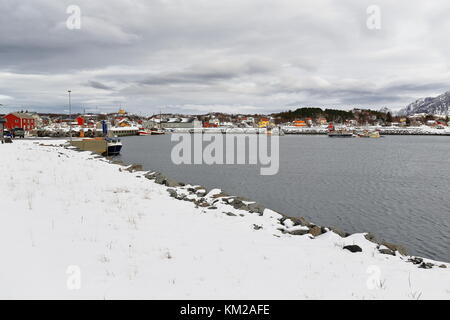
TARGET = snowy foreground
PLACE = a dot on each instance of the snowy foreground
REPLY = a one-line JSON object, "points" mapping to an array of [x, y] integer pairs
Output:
{"points": [[76, 226]]}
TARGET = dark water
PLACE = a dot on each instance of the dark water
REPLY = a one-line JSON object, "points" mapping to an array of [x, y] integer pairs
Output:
{"points": [[397, 187]]}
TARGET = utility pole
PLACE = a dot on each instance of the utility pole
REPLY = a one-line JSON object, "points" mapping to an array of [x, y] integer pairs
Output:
{"points": [[70, 115]]}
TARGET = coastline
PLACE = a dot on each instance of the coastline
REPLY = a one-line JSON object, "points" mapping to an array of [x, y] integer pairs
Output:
{"points": [[316, 262]]}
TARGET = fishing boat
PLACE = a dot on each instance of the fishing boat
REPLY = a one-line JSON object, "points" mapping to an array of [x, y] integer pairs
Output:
{"points": [[113, 146], [143, 132], [369, 134], [160, 130], [157, 131]]}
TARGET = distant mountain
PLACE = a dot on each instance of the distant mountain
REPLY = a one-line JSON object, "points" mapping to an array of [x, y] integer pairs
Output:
{"points": [[439, 105]]}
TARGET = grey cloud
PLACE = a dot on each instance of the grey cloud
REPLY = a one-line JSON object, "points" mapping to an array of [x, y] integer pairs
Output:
{"points": [[98, 85], [187, 77], [208, 73], [418, 87]]}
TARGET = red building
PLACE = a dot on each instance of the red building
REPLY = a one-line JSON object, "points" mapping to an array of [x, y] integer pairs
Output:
{"points": [[207, 124], [20, 120], [80, 121]]}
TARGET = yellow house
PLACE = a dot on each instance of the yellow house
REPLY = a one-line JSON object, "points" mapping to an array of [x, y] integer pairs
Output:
{"points": [[299, 123], [263, 123], [124, 123]]}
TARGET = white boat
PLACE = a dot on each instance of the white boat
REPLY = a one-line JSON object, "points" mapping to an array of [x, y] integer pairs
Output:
{"points": [[157, 131], [369, 134], [113, 146], [143, 132]]}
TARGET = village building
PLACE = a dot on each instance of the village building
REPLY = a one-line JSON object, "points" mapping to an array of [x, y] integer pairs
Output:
{"points": [[173, 123], [22, 120], [209, 124], [299, 123], [322, 121], [264, 123], [246, 121], [124, 123]]}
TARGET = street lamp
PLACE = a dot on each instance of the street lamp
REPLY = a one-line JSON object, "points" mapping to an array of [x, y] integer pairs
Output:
{"points": [[70, 115]]}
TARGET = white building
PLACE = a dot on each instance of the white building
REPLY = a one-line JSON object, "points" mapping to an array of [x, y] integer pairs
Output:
{"points": [[181, 123]]}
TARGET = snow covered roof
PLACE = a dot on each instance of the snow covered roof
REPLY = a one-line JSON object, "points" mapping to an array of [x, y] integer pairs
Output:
{"points": [[182, 120], [21, 115]]}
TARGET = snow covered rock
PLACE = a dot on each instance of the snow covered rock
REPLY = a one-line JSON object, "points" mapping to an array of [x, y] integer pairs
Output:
{"points": [[315, 231], [353, 248]]}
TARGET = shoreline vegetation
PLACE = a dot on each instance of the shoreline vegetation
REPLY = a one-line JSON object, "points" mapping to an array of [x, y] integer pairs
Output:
{"points": [[138, 233]]}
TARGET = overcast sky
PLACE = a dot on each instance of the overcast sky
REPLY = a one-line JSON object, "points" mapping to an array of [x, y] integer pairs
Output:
{"points": [[241, 56]]}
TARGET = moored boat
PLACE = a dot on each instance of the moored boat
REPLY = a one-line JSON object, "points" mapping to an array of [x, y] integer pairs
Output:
{"points": [[143, 132], [369, 134], [157, 131], [113, 146]]}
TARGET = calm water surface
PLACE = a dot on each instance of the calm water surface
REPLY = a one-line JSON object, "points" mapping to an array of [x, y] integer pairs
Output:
{"points": [[397, 187]]}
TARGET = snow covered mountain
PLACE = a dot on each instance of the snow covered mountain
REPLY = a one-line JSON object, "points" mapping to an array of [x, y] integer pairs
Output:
{"points": [[439, 105]]}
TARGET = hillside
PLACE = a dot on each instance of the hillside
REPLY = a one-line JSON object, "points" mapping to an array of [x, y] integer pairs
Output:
{"points": [[439, 105]]}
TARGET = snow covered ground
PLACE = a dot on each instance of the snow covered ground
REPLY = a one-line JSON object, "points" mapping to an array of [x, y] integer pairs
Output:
{"points": [[76, 226]]}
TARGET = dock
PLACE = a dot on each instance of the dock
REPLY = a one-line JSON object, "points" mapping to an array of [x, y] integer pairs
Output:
{"points": [[97, 145]]}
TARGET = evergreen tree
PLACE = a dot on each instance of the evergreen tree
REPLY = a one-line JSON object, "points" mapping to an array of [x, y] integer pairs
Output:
{"points": [[389, 117]]}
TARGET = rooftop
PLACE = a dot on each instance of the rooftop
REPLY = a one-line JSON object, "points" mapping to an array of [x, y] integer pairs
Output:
{"points": [[22, 115]]}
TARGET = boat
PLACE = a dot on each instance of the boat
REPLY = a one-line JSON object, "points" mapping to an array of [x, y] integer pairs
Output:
{"points": [[142, 132], [113, 146], [157, 131], [369, 134]]}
